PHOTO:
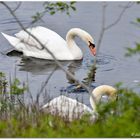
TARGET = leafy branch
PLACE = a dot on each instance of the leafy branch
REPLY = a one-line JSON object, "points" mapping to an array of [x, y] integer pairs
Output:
{"points": [[54, 7], [105, 27], [132, 51]]}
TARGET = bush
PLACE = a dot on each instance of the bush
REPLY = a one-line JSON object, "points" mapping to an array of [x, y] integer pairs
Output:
{"points": [[116, 119]]}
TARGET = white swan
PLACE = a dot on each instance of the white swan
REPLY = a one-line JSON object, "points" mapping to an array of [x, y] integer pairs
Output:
{"points": [[62, 50], [71, 109]]}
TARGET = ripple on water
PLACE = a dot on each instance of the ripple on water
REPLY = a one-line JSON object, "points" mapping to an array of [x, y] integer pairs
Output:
{"points": [[36, 66], [106, 62], [73, 88], [102, 59]]}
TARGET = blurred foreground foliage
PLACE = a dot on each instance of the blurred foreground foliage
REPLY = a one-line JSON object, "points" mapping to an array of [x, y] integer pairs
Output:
{"points": [[132, 51], [116, 119]]}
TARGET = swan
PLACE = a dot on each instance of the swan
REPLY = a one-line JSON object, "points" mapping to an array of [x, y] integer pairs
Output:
{"points": [[71, 109], [62, 50]]}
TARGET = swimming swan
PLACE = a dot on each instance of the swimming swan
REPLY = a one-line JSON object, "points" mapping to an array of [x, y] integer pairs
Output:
{"points": [[62, 50], [71, 109]]}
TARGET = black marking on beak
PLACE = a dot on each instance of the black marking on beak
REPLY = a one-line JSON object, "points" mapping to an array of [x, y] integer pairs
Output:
{"points": [[91, 45]]}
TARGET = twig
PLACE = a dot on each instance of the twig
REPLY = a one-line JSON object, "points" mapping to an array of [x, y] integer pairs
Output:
{"points": [[129, 4], [44, 85], [93, 67], [17, 7], [28, 89], [56, 61], [21, 103], [103, 26]]}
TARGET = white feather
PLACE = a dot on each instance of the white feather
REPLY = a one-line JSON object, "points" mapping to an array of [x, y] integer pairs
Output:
{"points": [[62, 50]]}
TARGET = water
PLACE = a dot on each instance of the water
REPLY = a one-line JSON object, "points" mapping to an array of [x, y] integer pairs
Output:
{"points": [[112, 66]]}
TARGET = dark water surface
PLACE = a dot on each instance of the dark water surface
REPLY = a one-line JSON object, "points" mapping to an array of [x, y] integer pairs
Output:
{"points": [[112, 65]]}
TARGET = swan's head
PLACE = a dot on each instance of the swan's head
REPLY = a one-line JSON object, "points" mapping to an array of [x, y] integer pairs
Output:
{"points": [[90, 42], [99, 91], [92, 47], [85, 36]]}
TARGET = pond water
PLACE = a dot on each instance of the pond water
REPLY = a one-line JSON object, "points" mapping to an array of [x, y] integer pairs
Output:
{"points": [[112, 65]]}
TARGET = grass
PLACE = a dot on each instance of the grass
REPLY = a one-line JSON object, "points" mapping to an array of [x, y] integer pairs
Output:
{"points": [[116, 119]]}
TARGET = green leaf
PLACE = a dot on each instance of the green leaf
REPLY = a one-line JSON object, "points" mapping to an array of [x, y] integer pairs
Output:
{"points": [[72, 2], [138, 19], [54, 7], [118, 85], [52, 12], [132, 51], [16, 88], [73, 8], [60, 4]]}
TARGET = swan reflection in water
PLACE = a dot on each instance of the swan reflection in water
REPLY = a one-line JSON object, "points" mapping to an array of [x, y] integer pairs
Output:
{"points": [[41, 71], [41, 66]]}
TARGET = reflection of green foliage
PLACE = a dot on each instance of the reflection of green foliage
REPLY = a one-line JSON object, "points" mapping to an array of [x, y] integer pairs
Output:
{"points": [[54, 7], [91, 75], [132, 51]]}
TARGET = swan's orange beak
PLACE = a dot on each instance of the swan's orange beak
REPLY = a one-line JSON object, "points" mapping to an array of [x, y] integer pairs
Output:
{"points": [[92, 48], [93, 51]]}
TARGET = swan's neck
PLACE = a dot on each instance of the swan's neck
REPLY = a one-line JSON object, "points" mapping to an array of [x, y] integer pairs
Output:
{"points": [[100, 91], [92, 103], [75, 50]]}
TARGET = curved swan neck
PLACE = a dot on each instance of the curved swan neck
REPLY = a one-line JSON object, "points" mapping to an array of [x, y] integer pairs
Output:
{"points": [[75, 50], [103, 90], [80, 33]]}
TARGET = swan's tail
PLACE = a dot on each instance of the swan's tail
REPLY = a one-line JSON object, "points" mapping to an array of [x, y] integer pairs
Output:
{"points": [[12, 40]]}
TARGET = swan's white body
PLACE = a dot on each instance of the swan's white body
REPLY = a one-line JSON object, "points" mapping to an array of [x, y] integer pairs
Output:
{"points": [[71, 109], [61, 49], [68, 108]]}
